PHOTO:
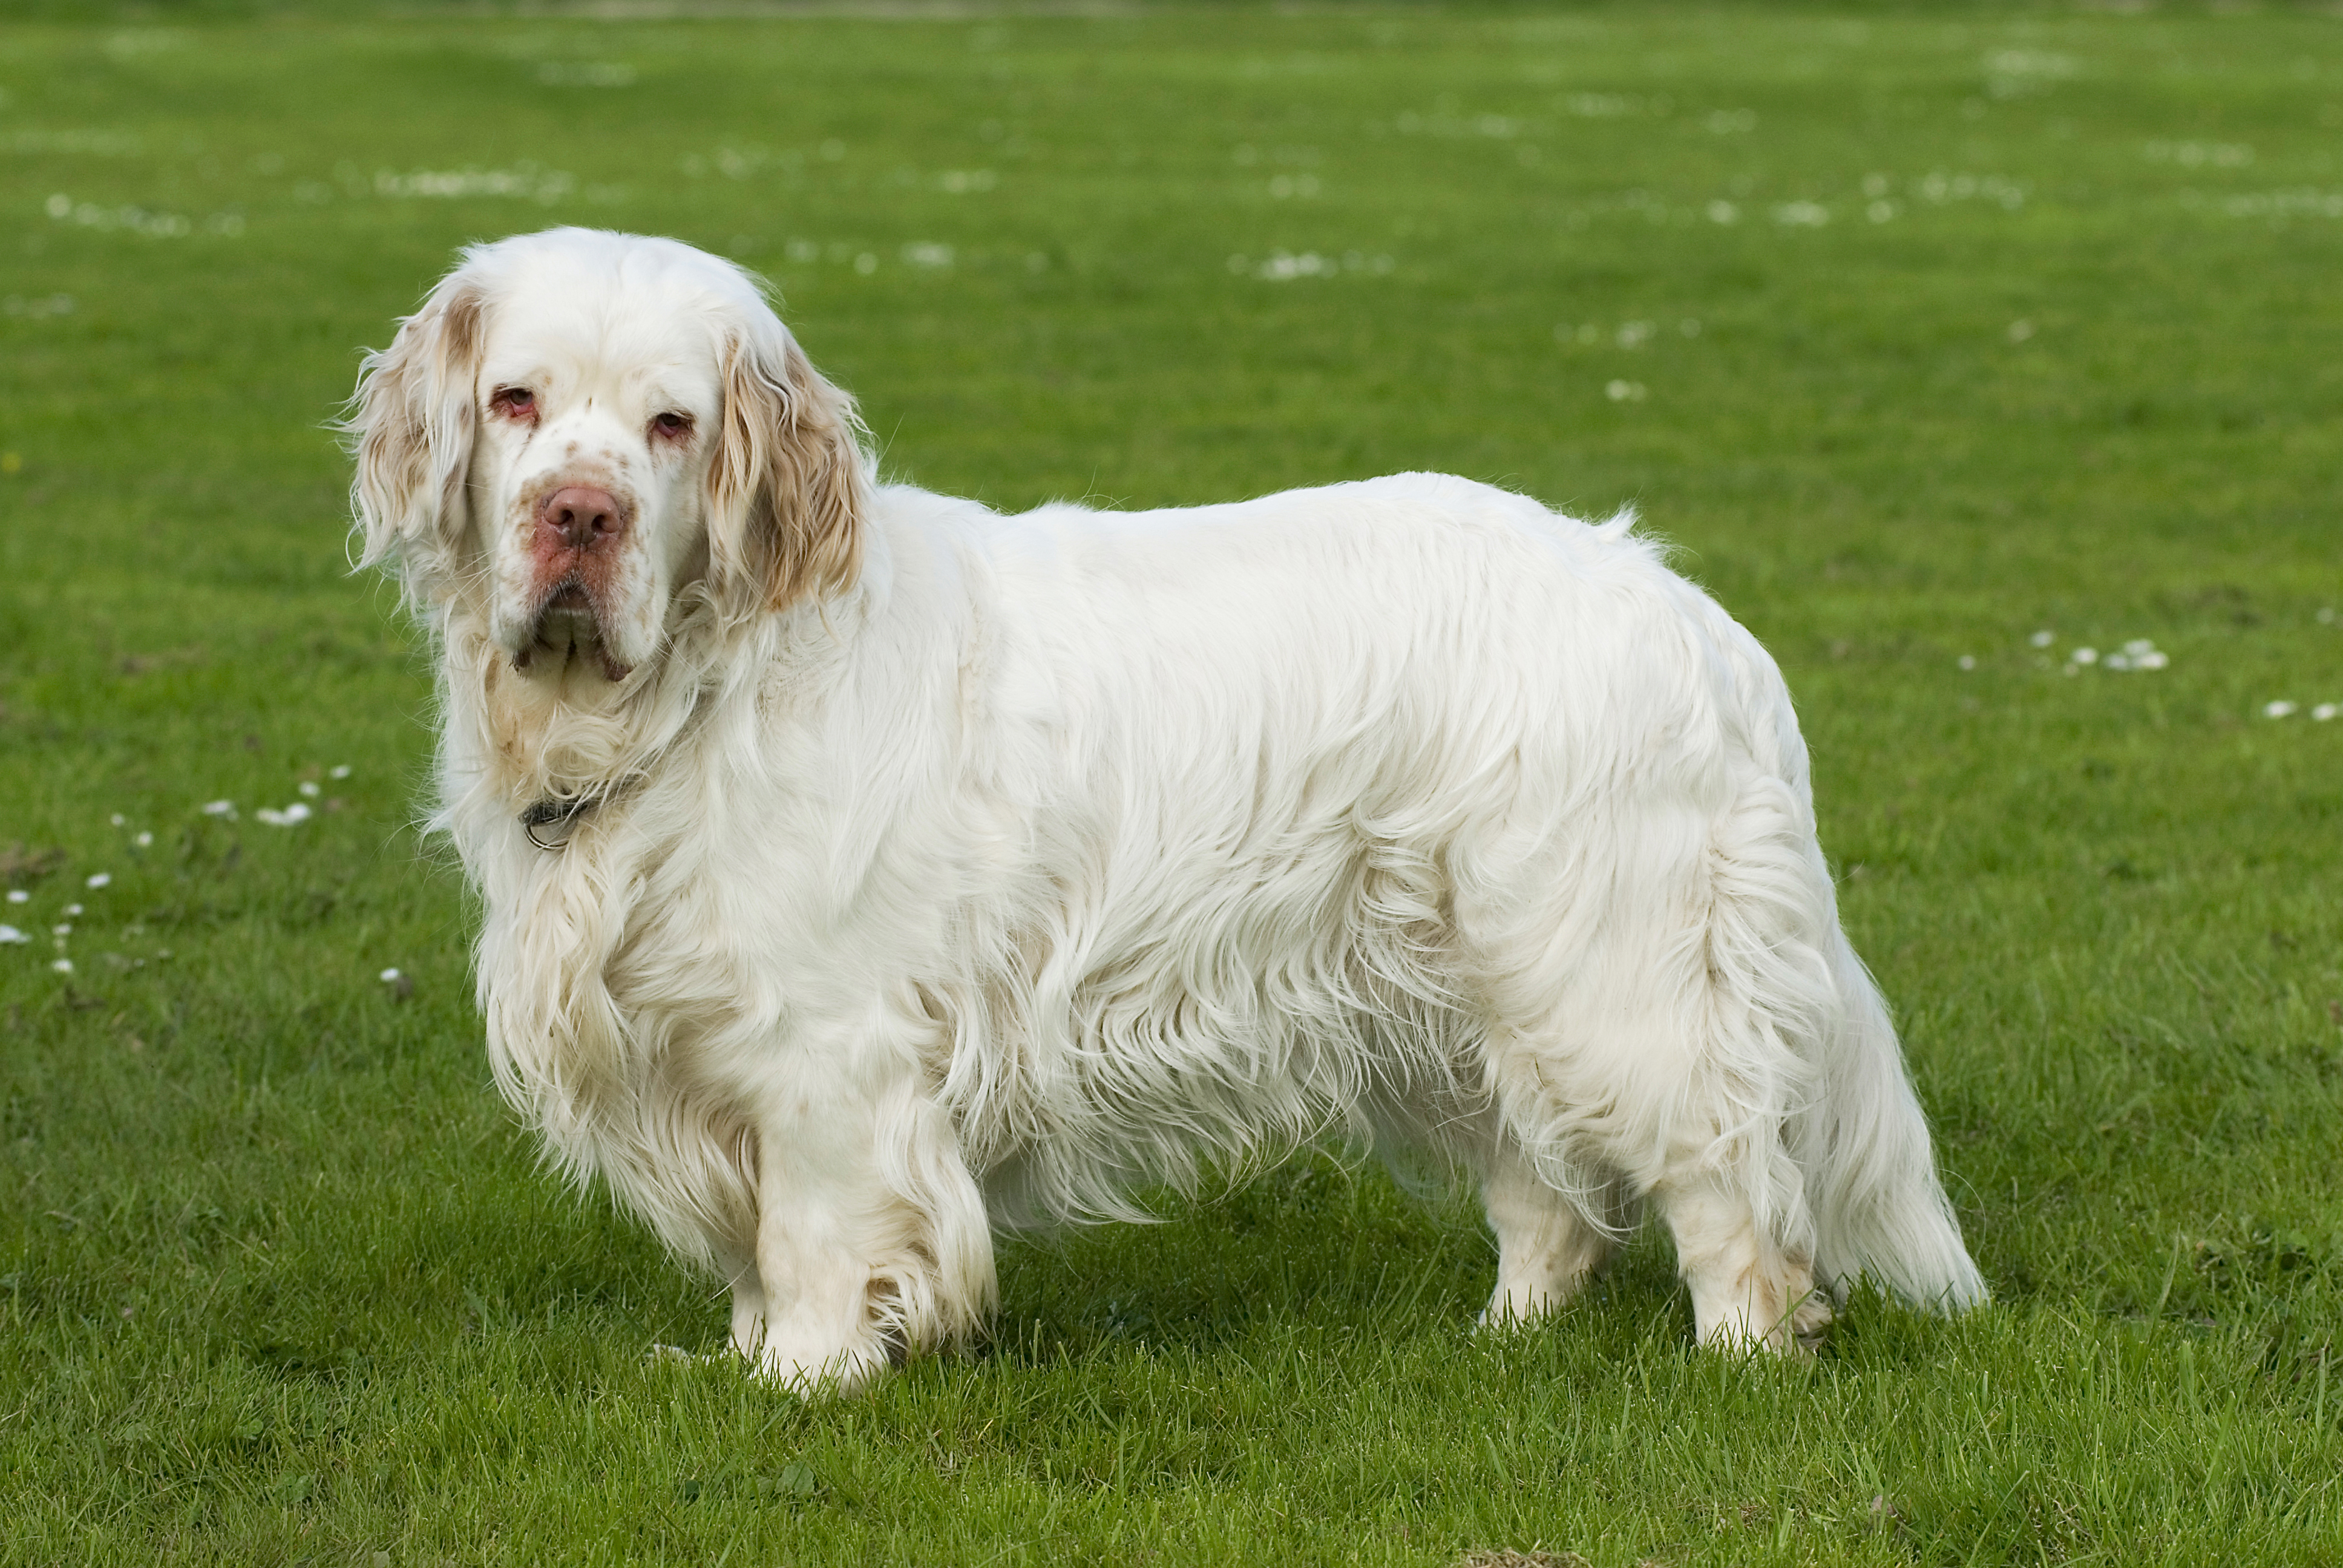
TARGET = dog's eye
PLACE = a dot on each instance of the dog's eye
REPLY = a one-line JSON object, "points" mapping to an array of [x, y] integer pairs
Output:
{"points": [[675, 427], [515, 403]]}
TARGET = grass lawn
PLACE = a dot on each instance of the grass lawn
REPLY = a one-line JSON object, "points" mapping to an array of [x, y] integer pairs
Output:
{"points": [[1948, 343]]}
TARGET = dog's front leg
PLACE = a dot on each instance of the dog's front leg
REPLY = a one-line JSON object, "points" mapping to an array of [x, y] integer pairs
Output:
{"points": [[871, 1236], [747, 1308]]}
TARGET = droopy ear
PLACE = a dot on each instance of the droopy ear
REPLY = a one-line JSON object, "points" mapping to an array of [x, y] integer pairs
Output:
{"points": [[410, 426], [791, 485]]}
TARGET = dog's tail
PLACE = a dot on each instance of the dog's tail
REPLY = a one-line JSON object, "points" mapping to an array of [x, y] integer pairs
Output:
{"points": [[1878, 1207]]}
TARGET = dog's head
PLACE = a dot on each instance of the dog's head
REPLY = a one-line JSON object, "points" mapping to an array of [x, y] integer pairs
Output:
{"points": [[578, 426]]}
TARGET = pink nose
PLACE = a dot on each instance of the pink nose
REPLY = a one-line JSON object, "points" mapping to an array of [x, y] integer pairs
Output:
{"points": [[580, 516]]}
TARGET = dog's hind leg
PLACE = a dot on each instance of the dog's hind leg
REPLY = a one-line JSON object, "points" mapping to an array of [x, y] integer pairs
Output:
{"points": [[1546, 1245], [1750, 1286], [1733, 1199], [1665, 1029], [1761, 996]]}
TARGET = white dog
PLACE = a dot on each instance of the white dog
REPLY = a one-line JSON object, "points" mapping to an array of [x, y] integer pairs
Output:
{"points": [[861, 865]]}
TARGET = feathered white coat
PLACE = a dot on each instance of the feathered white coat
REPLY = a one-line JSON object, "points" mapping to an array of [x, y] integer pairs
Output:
{"points": [[936, 866]]}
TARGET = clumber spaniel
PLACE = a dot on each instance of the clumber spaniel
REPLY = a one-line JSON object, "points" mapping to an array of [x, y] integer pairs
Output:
{"points": [[862, 865]]}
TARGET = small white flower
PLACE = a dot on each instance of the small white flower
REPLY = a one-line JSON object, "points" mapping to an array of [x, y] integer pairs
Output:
{"points": [[11, 937], [98, 879], [2278, 709], [1625, 391], [19, 896], [73, 910], [119, 818], [309, 788], [2325, 711], [61, 929], [387, 976], [341, 770], [2043, 638], [220, 808], [144, 840], [62, 966], [296, 812], [1968, 661], [2083, 655]]}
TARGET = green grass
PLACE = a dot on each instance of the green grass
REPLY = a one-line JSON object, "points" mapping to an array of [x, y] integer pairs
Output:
{"points": [[280, 1280]]}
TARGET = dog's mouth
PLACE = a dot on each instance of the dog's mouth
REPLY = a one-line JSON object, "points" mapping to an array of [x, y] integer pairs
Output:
{"points": [[567, 629]]}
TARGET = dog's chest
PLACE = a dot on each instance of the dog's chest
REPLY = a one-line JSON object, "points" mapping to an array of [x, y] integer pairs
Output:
{"points": [[601, 972]]}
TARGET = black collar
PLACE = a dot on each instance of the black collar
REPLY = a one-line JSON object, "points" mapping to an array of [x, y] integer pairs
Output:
{"points": [[557, 811]]}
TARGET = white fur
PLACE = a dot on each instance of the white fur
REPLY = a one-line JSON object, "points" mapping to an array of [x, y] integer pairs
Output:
{"points": [[992, 865]]}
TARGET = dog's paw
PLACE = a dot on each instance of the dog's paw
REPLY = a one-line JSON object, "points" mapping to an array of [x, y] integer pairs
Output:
{"points": [[813, 1375], [1810, 1323]]}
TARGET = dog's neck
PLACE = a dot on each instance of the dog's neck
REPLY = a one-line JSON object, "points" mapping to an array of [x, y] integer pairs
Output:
{"points": [[547, 740], [537, 740], [554, 743]]}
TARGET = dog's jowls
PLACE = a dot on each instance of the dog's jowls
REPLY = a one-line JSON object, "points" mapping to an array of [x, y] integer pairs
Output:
{"points": [[917, 867]]}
